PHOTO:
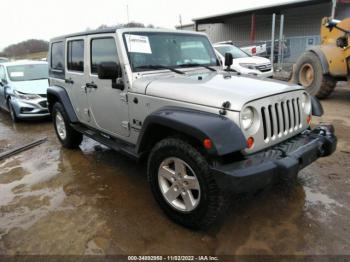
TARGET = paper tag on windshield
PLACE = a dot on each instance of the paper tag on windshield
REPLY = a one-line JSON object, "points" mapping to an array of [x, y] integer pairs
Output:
{"points": [[138, 44], [16, 74]]}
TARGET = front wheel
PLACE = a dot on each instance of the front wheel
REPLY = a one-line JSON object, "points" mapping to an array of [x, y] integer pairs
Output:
{"points": [[68, 137], [13, 114], [183, 185]]}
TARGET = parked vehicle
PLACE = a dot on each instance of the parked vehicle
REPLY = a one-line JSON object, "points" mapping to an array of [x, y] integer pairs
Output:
{"points": [[161, 95], [23, 88], [243, 62], [255, 50], [320, 67], [3, 59]]}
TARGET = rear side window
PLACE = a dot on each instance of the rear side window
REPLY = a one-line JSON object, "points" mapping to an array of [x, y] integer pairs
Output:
{"points": [[102, 50], [75, 55], [57, 56]]}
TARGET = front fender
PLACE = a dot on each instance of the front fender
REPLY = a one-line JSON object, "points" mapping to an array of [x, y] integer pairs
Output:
{"points": [[59, 94], [225, 135], [323, 59], [317, 109]]}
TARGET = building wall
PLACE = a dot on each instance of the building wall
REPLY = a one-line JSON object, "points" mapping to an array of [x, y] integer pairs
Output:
{"points": [[304, 21], [343, 11], [189, 27]]}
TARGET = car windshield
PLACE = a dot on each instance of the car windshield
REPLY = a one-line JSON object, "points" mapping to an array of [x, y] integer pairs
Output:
{"points": [[28, 72], [155, 50], [234, 50]]}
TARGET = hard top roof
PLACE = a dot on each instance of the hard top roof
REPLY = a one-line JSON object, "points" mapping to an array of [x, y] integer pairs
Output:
{"points": [[115, 29]]}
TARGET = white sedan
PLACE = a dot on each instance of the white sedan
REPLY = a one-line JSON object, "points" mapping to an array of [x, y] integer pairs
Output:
{"points": [[243, 62]]}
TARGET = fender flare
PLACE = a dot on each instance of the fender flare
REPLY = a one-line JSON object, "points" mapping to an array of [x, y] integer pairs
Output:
{"points": [[324, 62], [225, 135], [57, 93], [317, 109]]}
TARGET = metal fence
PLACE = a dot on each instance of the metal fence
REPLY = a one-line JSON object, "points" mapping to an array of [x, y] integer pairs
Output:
{"points": [[292, 48]]}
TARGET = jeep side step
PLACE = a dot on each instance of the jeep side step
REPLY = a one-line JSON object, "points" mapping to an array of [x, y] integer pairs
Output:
{"points": [[109, 141]]}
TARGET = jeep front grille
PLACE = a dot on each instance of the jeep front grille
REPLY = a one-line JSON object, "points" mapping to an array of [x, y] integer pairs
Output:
{"points": [[281, 118], [278, 118]]}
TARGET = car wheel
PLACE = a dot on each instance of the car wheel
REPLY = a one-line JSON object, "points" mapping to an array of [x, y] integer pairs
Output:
{"points": [[183, 185], [13, 114], [69, 137]]}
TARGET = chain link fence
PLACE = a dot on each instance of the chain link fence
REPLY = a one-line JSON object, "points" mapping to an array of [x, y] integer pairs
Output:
{"points": [[291, 49]]}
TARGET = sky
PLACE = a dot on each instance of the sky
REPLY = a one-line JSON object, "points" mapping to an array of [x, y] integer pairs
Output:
{"points": [[44, 19]]}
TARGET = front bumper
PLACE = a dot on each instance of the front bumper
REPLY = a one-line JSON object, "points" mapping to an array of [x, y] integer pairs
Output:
{"points": [[281, 162], [28, 109]]}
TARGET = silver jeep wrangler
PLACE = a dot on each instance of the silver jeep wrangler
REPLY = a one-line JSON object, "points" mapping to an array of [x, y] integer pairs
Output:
{"points": [[160, 95]]}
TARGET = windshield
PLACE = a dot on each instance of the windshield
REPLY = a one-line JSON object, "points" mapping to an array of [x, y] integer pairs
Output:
{"points": [[28, 72], [149, 50], [235, 51]]}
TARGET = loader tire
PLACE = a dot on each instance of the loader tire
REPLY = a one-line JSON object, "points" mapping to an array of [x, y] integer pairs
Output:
{"points": [[309, 73]]}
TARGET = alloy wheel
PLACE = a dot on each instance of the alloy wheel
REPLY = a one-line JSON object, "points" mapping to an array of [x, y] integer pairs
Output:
{"points": [[179, 184]]}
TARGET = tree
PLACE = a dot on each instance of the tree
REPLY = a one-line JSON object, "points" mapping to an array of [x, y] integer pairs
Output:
{"points": [[25, 47], [127, 25]]}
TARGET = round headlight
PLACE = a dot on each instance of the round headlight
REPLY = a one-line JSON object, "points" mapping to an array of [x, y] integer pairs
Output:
{"points": [[247, 118], [306, 103]]}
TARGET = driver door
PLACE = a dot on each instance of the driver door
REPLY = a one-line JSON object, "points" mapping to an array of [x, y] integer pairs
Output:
{"points": [[108, 106]]}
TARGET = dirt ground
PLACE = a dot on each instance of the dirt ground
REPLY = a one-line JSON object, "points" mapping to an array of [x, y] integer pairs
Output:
{"points": [[96, 201]]}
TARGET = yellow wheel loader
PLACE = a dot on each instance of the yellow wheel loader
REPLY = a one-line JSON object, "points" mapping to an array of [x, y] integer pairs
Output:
{"points": [[320, 67]]}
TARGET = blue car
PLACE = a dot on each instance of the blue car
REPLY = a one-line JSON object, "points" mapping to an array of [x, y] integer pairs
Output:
{"points": [[23, 86]]}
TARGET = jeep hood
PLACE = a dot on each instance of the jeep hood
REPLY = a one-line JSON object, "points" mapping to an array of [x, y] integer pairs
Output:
{"points": [[38, 87], [212, 89]]}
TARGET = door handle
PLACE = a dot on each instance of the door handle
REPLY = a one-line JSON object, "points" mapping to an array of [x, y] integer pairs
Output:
{"points": [[91, 85], [69, 81]]}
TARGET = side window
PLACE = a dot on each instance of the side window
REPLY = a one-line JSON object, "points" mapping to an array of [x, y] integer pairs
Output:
{"points": [[75, 55], [2, 73], [57, 56], [102, 50]]}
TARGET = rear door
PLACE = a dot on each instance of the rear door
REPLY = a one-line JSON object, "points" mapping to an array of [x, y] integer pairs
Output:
{"points": [[108, 106], [77, 76]]}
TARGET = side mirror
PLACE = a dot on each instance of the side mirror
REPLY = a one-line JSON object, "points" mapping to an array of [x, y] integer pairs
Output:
{"points": [[342, 42], [111, 71], [228, 60]]}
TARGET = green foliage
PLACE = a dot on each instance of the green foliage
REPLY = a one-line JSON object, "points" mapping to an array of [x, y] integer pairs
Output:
{"points": [[25, 47]]}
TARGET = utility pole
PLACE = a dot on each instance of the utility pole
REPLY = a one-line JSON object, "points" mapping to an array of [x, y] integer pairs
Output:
{"points": [[180, 19], [127, 14]]}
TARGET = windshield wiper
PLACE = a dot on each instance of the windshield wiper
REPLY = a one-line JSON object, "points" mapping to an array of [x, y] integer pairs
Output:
{"points": [[195, 64], [155, 67]]}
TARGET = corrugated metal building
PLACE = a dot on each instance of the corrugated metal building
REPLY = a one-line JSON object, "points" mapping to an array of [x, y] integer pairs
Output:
{"points": [[302, 21]]}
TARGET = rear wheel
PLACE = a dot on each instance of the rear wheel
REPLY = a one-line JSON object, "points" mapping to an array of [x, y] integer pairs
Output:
{"points": [[68, 136], [183, 185], [309, 73]]}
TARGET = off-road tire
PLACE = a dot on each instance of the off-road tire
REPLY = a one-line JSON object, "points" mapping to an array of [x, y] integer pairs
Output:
{"points": [[12, 112], [323, 84], [73, 138], [212, 201]]}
